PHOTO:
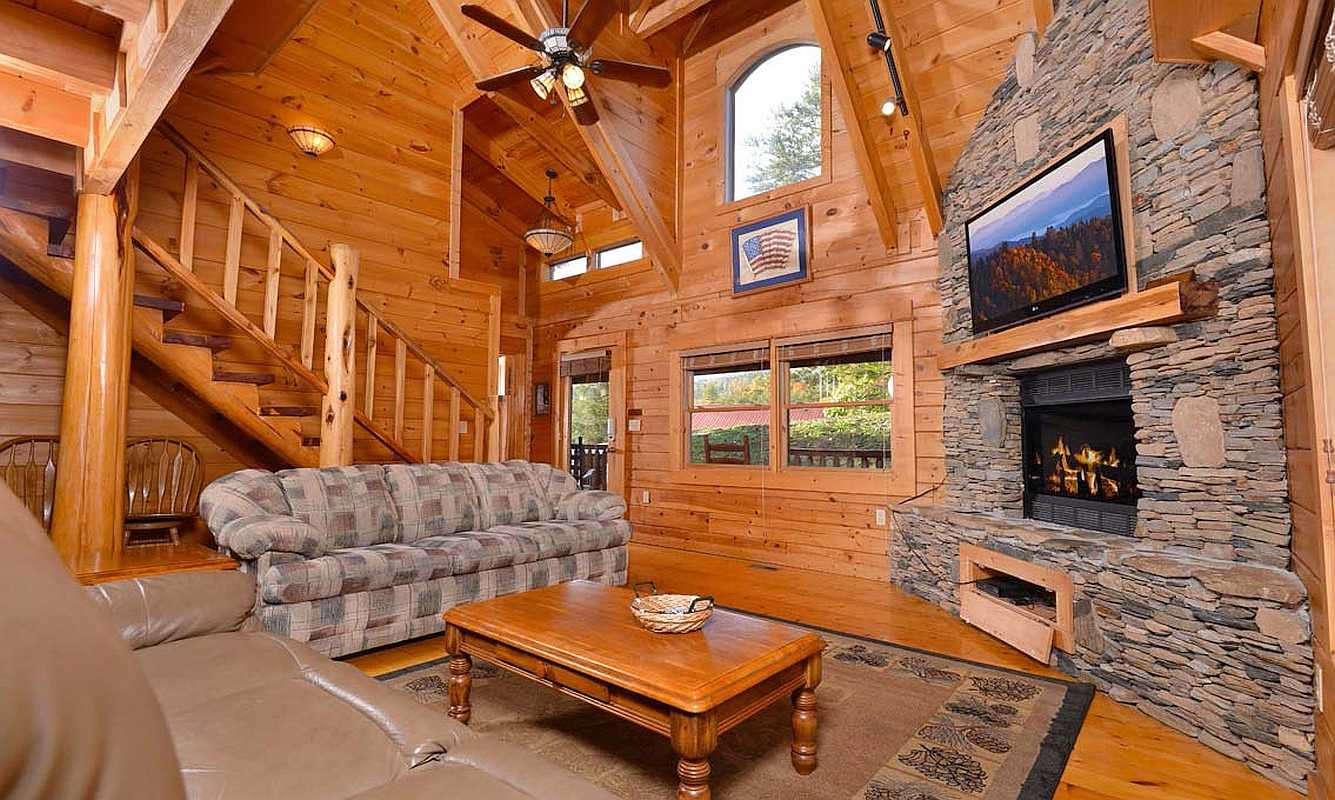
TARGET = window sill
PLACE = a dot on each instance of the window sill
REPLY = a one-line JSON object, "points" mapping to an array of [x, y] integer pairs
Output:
{"points": [[777, 194], [880, 482]]}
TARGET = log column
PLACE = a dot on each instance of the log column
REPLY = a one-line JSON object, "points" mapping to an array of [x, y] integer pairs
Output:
{"points": [[87, 523], [340, 359]]}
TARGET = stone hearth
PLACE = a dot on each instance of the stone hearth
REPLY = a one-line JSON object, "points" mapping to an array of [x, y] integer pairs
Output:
{"points": [[1197, 619]]}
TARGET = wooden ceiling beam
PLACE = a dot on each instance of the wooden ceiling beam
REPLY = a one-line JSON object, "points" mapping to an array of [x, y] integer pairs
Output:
{"points": [[843, 47], [127, 10], [171, 37], [34, 151], [912, 128], [605, 140], [47, 47], [532, 184], [653, 20], [40, 109]]}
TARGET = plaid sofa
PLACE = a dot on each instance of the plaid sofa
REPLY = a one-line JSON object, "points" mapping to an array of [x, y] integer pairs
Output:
{"points": [[350, 558]]}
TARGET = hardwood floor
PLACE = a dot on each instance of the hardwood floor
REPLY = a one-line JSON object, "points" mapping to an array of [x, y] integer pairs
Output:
{"points": [[1121, 753]]}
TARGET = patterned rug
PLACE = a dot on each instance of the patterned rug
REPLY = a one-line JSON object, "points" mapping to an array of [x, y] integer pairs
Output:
{"points": [[894, 724]]}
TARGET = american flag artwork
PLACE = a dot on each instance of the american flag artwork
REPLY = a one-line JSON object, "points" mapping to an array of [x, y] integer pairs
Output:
{"points": [[770, 250]]}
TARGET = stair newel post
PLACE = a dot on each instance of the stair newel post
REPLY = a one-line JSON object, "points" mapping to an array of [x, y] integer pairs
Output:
{"points": [[87, 524], [340, 359]]}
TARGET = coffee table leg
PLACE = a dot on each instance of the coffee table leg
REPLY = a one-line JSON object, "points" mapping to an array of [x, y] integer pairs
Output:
{"points": [[461, 681], [693, 738], [804, 720]]}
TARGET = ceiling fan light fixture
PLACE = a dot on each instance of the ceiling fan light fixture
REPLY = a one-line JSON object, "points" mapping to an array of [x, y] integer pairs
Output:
{"points": [[543, 84], [577, 96], [549, 235], [572, 76], [311, 140]]}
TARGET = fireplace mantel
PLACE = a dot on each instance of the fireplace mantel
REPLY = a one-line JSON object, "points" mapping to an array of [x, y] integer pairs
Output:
{"points": [[1176, 299]]}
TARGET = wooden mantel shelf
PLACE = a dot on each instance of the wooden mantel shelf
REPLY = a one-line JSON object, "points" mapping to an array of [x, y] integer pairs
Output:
{"points": [[1173, 301]]}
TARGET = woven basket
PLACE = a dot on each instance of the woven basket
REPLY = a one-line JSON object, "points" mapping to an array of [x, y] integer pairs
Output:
{"points": [[670, 613]]}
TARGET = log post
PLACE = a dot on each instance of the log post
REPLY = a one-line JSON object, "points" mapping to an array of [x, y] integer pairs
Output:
{"points": [[88, 521], [340, 359]]}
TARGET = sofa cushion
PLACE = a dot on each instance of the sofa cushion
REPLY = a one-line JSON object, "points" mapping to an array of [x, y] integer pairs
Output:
{"points": [[432, 499], [351, 505], [555, 484], [508, 494], [355, 569]]}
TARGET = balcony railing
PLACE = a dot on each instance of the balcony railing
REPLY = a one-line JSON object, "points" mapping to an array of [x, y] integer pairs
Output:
{"points": [[588, 463], [833, 457]]}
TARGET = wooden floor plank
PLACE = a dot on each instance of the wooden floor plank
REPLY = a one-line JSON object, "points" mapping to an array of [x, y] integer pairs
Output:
{"points": [[1121, 753]]}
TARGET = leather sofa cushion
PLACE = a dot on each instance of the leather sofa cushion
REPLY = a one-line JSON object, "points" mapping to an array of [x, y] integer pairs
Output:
{"points": [[364, 569], [350, 505], [508, 494], [484, 769], [165, 608], [432, 499], [260, 716]]}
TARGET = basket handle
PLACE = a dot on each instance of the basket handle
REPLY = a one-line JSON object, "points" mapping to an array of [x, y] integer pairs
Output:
{"points": [[692, 609], [653, 589]]}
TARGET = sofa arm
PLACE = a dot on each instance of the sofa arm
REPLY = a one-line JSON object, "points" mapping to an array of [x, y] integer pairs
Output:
{"points": [[591, 504], [165, 608], [253, 536]]}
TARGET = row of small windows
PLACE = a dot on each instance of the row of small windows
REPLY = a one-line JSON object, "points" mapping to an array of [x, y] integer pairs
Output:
{"points": [[775, 139], [606, 258]]}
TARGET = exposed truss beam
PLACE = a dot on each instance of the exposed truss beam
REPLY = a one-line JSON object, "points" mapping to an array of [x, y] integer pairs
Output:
{"points": [[654, 19], [68, 56], [43, 110], [912, 129], [845, 46], [34, 151], [530, 183]]}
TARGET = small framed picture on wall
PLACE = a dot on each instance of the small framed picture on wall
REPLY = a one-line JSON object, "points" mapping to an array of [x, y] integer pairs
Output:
{"points": [[772, 252], [542, 401]]}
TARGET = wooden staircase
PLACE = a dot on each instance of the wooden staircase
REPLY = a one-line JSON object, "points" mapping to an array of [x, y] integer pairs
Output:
{"points": [[225, 331]]}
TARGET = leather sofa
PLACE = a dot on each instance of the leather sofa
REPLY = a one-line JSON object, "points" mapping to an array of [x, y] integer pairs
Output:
{"points": [[162, 688], [350, 558]]}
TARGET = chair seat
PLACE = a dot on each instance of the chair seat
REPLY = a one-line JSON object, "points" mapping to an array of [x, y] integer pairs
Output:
{"points": [[361, 569]]}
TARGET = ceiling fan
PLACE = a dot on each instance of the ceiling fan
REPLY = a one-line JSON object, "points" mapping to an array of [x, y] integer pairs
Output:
{"points": [[566, 52]]}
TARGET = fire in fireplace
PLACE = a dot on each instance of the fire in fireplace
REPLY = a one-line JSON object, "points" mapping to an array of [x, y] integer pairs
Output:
{"points": [[1080, 447]]}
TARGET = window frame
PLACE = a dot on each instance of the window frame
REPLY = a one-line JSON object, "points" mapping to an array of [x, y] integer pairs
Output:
{"points": [[786, 405], [552, 265], [692, 409], [728, 201], [899, 479], [598, 254]]}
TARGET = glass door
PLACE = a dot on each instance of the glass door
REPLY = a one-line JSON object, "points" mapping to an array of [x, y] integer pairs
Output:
{"points": [[590, 410]]}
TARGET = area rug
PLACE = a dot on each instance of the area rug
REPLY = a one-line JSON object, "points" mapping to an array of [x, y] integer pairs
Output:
{"points": [[894, 724]]}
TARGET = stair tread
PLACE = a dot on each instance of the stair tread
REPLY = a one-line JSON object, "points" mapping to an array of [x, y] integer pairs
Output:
{"points": [[277, 410], [310, 441], [210, 341], [166, 305], [255, 378]]}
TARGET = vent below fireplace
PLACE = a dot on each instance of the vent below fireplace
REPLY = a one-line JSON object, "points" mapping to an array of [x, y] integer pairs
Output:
{"points": [[1080, 447]]}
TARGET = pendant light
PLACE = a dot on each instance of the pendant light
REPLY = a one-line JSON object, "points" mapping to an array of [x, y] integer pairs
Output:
{"points": [[549, 235]]}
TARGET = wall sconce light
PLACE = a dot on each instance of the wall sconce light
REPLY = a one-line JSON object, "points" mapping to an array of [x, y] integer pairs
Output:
{"points": [[311, 141]]}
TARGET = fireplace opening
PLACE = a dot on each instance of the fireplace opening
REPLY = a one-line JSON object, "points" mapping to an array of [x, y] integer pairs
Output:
{"points": [[1080, 447]]}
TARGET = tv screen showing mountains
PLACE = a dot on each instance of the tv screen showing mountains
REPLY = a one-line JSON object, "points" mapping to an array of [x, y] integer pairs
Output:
{"points": [[1054, 237]]}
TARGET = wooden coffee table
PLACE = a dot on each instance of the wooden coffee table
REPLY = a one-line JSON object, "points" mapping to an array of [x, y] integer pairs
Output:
{"points": [[580, 639]]}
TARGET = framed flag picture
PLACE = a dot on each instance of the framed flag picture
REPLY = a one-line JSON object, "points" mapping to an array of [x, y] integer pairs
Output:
{"points": [[772, 252]]}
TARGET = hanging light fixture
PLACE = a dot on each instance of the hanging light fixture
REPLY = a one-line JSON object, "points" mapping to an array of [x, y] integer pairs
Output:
{"points": [[549, 235], [310, 140]]}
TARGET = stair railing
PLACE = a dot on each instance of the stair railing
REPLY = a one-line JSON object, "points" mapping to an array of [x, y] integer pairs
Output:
{"points": [[411, 361]]}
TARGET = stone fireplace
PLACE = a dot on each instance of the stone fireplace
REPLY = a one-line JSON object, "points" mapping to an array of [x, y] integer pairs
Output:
{"points": [[1186, 606], [1079, 447]]}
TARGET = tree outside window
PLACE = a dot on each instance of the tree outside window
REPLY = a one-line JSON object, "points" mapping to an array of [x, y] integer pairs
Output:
{"points": [[776, 123]]}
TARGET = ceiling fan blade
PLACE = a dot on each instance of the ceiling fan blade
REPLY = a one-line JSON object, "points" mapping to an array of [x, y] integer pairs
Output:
{"points": [[501, 26], [586, 113], [640, 74], [511, 78], [591, 20]]}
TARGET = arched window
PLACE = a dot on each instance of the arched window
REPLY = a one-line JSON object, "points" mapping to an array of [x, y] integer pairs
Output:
{"points": [[774, 122]]}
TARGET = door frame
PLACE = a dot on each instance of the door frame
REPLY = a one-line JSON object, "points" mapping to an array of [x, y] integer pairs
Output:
{"points": [[616, 346]]}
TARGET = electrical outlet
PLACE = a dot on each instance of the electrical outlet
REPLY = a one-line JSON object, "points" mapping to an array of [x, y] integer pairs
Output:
{"points": [[644, 497], [463, 426], [880, 517], [633, 426]]}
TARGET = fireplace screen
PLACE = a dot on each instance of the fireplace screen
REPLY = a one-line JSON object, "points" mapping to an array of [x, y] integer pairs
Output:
{"points": [[1080, 448]]}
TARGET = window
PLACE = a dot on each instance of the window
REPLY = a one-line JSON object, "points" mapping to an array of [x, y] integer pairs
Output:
{"points": [[831, 396], [728, 407], [836, 407], [775, 123], [619, 254], [569, 267]]}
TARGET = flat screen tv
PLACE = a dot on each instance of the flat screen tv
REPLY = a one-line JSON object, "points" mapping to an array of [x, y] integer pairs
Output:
{"points": [[1055, 242]]}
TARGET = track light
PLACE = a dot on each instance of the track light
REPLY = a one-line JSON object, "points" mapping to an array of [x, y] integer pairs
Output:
{"points": [[879, 40], [542, 85]]}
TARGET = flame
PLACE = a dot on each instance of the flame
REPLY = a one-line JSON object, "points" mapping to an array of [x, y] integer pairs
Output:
{"points": [[1085, 467]]}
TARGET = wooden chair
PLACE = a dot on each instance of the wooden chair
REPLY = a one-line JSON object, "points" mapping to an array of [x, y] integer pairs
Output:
{"points": [[728, 452], [28, 468], [163, 478]]}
